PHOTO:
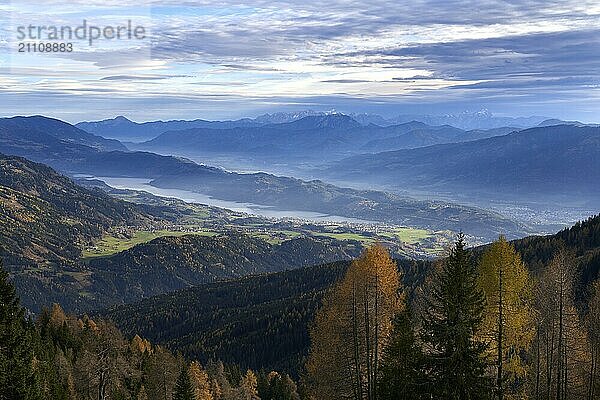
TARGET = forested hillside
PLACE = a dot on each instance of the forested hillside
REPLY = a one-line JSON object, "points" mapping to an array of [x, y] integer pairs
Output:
{"points": [[257, 322], [170, 263], [46, 218], [64, 357], [582, 240]]}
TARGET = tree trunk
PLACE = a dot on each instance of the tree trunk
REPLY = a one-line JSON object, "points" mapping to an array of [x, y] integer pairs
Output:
{"points": [[559, 372], [500, 338]]}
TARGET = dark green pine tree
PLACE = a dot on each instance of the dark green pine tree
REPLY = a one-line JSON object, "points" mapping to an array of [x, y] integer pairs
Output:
{"points": [[453, 313], [402, 376], [17, 363], [183, 387]]}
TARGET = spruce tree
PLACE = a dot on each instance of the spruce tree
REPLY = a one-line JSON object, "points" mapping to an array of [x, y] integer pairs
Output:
{"points": [[184, 390], [402, 365], [451, 319], [17, 366]]}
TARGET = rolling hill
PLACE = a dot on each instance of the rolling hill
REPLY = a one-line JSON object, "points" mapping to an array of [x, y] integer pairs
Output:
{"points": [[170, 263], [293, 194]]}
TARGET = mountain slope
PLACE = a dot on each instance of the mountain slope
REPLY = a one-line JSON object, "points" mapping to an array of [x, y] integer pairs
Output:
{"points": [[560, 159], [20, 129], [258, 322], [582, 240], [45, 217], [170, 263], [124, 129]]}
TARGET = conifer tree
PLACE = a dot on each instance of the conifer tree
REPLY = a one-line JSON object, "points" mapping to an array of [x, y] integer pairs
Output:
{"points": [[248, 387], [184, 389], [454, 313], [402, 376], [200, 382], [561, 349], [593, 329], [17, 361]]}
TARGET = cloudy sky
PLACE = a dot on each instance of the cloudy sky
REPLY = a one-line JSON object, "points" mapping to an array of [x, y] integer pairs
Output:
{"points": [[215, 60]]}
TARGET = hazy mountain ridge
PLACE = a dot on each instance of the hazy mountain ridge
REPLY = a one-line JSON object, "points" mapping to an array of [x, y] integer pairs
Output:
{"points": [[559, 159], [316, 137], [124, 129], [36, 127]]}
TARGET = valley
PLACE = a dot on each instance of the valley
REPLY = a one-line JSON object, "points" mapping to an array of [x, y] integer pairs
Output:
{"points": [[236, 266]]}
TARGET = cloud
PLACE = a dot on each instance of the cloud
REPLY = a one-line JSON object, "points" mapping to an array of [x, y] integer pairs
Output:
{"points": [[140, 77], [538, 53]]}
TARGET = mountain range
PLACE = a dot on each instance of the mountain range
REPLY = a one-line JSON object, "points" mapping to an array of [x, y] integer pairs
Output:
{"points": [[315, 138], [126, 130], [560, 160], [282, 193]]}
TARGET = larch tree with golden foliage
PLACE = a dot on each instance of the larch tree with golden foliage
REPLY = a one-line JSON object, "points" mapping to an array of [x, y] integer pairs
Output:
{"points": [[561, 352], [508, 318], [200, 382], [352, 327]]}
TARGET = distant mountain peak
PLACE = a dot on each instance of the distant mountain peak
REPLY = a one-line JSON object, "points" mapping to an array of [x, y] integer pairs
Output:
{"points": [[121, 118], [326, 121]]}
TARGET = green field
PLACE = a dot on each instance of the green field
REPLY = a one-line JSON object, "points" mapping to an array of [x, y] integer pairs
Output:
{"points": [[110, 244], [408, 235]]}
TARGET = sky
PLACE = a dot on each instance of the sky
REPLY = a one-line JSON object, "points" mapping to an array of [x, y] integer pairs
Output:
{"points": [[226, 60]]}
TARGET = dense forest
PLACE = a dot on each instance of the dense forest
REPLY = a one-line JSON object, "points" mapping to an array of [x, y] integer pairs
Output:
{"points": [[474, 325], [481, 328], [255, 322], [59, 356]]}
